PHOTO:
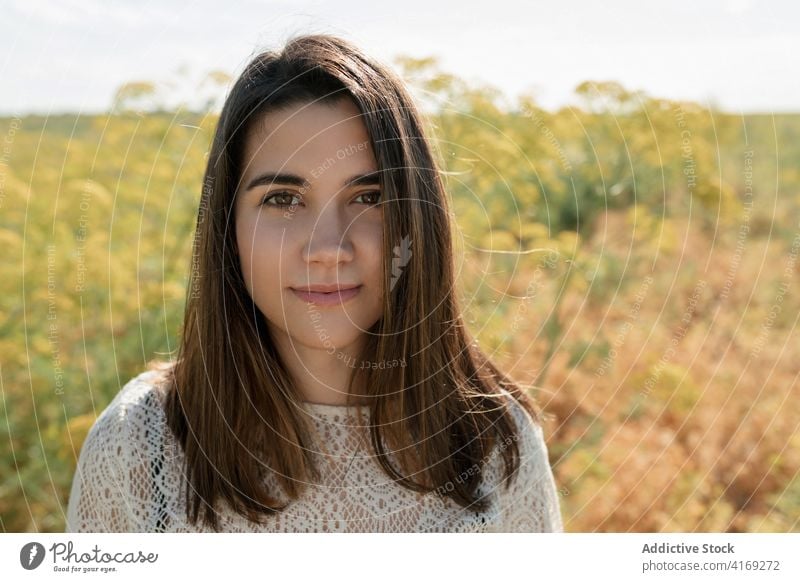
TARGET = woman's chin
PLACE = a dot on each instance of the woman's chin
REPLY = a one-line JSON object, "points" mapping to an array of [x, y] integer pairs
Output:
{"points": [[330, 342]]}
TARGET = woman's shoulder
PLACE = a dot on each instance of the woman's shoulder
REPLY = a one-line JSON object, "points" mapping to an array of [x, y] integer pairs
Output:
{"points": [[528, 437], [529, 431], [528, 500], [144, 393], [111, 484], [134, 416]]}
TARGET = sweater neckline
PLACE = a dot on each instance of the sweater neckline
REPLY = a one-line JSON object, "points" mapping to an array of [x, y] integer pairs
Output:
{"points": [[333, 410]]}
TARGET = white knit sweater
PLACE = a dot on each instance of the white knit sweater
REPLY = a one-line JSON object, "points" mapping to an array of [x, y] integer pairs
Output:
{"points": [[119, 485]]}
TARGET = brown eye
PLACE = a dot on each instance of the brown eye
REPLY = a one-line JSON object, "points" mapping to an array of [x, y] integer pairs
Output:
{"points": [[282, 200], [372, 193]]}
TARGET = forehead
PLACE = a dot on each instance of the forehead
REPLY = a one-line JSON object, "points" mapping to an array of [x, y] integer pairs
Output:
{"points": [[303, 135]]}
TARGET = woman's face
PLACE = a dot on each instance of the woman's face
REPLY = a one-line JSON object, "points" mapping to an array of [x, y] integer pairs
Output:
{"points": [[309, 212]]}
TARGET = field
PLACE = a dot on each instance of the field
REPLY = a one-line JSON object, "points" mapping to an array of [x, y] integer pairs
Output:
{"points": [[632, 259]]}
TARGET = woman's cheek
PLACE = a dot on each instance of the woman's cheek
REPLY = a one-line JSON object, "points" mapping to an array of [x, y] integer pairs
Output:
{"points": [[259, 254], [270, 254], [373, 245]]}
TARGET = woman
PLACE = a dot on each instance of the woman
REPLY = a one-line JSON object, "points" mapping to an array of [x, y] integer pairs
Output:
{"points": [[325, 380]]}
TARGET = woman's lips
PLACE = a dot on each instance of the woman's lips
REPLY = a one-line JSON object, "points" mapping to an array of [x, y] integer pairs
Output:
{"points": [[334, 298]]}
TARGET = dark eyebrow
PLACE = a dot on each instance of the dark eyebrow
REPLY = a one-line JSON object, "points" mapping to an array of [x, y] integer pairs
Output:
{"points": [[368, 179], [276, 178]]}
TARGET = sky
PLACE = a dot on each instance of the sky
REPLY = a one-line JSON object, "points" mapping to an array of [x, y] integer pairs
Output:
{"points": [[736, 55]]}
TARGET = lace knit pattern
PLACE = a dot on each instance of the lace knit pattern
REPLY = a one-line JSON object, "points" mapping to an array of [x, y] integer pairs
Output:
{"points": [[130, 479]]}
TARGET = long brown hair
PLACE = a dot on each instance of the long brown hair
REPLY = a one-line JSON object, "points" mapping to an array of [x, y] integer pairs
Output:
{"points": [[230, 400]]}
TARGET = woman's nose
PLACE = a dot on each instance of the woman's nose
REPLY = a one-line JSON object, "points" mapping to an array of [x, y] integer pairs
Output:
{"points": [[329, 238]]}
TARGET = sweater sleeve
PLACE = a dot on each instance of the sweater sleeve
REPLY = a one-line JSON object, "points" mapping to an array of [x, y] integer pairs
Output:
{"points": [[100, 499], [530, 502]]}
